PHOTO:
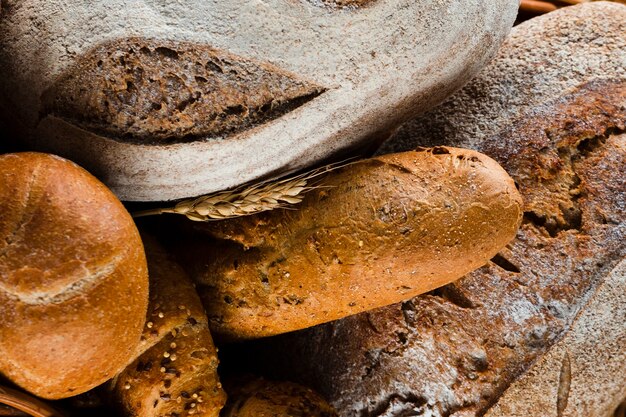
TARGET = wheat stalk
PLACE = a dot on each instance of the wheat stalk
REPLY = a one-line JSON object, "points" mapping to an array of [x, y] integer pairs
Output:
{"points": [[247, 200]]}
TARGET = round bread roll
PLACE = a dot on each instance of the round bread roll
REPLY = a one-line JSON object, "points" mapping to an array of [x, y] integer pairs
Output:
{"points": [[374, 232], [73, 277]]}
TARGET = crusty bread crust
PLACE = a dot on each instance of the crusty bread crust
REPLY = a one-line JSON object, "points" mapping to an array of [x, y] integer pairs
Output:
{"points": [[74, 281], [258, 397], [374, 232]]}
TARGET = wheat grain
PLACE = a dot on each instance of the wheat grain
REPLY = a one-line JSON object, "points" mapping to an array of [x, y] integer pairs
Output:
{"points": [[247, 200]]}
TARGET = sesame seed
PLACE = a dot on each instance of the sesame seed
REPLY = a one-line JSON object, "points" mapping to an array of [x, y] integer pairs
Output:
{"points": [[173, 345], [194, 396], [127, 386], [149, 324], [166, 354], [162, 369], [192, 405], [173, 358], [161, 315]]}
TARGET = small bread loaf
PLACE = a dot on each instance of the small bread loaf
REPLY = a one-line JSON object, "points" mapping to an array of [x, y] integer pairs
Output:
{"points": [[73, 277], [375, 232], [258, 397], [175, 373]]}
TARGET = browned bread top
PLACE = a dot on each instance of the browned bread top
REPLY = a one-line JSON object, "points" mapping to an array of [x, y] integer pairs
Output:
{"points": [[74, 282], [375, 232]]}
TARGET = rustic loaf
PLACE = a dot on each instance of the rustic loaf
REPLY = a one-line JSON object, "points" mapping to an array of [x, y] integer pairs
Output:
{"points": [[175, 370], [163, 100], [73, 277], [258, 397], [374, 232], [540, 330]]}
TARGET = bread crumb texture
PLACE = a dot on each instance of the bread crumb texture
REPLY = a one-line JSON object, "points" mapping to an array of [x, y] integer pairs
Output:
{"points": [[158, 91]]}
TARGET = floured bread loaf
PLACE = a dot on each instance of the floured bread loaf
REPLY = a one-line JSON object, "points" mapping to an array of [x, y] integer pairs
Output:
{"points": [[175, 372], [166, 100], [540, 330], [73, 277]]}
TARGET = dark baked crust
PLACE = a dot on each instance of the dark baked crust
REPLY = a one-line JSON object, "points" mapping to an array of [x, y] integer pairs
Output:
{"points": [[456, 349], [73, 277]]}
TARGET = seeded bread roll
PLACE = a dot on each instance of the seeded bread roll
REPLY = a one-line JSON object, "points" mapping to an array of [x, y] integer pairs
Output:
{"points": [[175, 373], [257, 397], [375, 232], [73, 277]]}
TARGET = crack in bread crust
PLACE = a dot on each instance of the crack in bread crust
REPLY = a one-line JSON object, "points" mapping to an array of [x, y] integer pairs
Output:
{"points": [[155, 91], [82, 284]]}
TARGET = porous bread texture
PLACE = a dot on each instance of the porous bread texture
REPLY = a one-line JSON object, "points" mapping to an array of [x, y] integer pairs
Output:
{"points": [[255, 397], [175, 370], [371, 233], [74, 281], [149, 91]]}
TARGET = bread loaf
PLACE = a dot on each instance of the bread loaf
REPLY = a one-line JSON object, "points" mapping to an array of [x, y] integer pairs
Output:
{"points": [[73, 277], [375, 232], [175, 370], [257, 397], [183, 100], [539, 330]]}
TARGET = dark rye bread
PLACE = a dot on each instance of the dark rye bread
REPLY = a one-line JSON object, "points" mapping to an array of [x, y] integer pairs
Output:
{"points": [[457, 349]]}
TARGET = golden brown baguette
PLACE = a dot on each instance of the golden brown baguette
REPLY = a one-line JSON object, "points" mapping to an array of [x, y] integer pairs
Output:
{"points": [[376, 232], [73, 277], [175, 373]]}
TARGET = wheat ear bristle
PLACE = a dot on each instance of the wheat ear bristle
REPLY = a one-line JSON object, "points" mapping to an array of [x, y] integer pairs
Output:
{"points": [[247, 200]]}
